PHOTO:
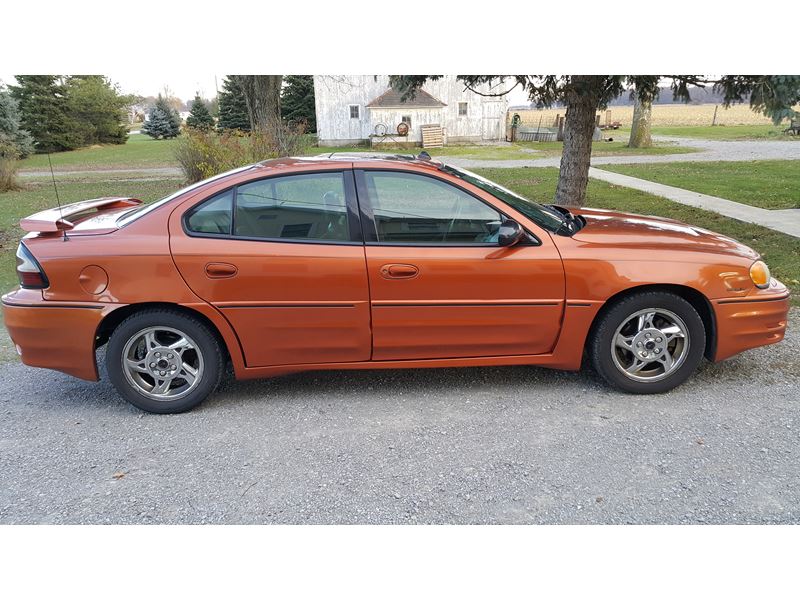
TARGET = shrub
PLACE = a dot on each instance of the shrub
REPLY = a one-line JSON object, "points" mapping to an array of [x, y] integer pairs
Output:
{"points": [[9, 154], [202, 153]]}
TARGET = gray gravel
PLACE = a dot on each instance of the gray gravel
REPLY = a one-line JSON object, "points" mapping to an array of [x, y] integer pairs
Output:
{"points": [[491, 445]]}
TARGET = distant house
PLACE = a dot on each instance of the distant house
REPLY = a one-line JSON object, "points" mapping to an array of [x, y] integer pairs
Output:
{"points": [[353, 109]]}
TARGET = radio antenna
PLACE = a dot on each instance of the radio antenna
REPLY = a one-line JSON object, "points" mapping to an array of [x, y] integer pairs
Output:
{"points": [[55, 187]]}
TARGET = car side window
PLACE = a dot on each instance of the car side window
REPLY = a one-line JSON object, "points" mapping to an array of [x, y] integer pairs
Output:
{"points": [[213, 215], [304, 207], [411, 208]]}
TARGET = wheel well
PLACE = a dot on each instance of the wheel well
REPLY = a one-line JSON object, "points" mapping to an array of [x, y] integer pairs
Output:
{"points": [[114, 318], [691, 295]]}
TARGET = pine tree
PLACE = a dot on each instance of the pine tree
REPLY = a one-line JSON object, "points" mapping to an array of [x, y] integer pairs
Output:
{"points": [[44, 112], [232, 107], [297, 101], [199, 117], [99, 110], [164, 121], [11, 132]]}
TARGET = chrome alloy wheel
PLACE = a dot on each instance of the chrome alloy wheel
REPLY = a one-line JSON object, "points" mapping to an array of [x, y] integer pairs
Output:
{"points": [[650, 344], [162, 363]]}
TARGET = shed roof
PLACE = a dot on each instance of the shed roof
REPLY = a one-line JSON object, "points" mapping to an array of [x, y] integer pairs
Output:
{"points": [[391, 99]]}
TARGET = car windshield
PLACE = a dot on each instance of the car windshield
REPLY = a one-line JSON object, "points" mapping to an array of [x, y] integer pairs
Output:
{"points": [[140, 211], [542, 215]]}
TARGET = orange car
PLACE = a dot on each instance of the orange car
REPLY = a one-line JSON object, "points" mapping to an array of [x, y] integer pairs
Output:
{"points": [[353, 262]]}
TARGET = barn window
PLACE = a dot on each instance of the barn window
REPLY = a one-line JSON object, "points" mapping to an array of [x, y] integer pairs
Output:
{"points": [[354, 111], [462, 109], [407, 120]]}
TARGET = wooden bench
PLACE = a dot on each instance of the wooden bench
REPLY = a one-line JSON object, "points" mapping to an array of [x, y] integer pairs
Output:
{"points": [[794, 127]]}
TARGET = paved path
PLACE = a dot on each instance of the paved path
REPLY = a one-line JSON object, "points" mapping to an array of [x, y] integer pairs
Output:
{"points": [[493, 445], [786, 221]]}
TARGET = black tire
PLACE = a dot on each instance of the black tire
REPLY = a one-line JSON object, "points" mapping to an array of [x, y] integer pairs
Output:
{"points": [[600, 345], [208, 349]]}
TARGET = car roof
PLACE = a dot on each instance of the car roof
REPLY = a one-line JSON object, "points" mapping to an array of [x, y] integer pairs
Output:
{"points": [[337, 159]]}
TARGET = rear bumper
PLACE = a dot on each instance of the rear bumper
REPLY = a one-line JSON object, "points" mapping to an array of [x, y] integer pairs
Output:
{"points": [[744, 323], [54, 335]]}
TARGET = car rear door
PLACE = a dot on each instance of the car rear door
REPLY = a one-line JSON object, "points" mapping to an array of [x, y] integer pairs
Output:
{"points": [[282, 258], [441, 286]]}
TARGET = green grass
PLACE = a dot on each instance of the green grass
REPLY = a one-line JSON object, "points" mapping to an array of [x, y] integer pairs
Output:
{"points": [[780, 251], [728, 132], [39, 196], [516, 151], [767, 184], [140, 151]]}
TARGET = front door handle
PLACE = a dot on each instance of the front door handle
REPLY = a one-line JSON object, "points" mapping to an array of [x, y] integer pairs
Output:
{"points": [[217, 270], [399, 271]]}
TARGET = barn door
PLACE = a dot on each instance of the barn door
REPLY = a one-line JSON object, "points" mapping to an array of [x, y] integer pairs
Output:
{"points": [[490, 127]]}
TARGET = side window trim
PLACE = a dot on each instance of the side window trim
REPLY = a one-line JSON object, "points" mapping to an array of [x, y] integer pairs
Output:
{"points": [[370, 228], [351, 203]]}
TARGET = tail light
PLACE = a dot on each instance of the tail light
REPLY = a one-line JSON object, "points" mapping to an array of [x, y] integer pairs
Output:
{"points": [[29, 271]]}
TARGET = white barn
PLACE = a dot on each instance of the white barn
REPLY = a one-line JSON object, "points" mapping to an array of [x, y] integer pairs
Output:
{"points": [[351, 108]]}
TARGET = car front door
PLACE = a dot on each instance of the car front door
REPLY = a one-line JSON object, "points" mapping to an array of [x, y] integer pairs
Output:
{"points": [[282, 258], [441, 286]]}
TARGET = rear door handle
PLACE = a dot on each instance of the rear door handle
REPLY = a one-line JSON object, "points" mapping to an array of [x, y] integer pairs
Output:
{"points": [[220, 270], [399, 271]]}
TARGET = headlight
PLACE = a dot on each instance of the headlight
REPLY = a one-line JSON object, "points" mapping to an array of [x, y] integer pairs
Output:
{"points": [[759, 273]]}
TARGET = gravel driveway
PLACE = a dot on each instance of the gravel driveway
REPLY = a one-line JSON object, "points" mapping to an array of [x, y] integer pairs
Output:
{"points": [[491, 445]]}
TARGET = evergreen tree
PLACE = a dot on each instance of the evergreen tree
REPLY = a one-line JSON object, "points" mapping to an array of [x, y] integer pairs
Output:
{"points": [[44, 112], [98, 109], [232, 107], [199, 117], [297, 101], [164, 121], [11, 132]]}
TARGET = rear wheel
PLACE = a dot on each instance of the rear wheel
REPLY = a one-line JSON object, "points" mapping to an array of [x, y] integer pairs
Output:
{"points": [[648, 343], [164, 361]]}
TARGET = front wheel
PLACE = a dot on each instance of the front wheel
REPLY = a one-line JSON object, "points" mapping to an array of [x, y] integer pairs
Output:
{"points": [[164, 361], [648, 343]]}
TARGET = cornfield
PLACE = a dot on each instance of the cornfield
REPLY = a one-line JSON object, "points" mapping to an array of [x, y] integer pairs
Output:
{"points": [[664, 115]]}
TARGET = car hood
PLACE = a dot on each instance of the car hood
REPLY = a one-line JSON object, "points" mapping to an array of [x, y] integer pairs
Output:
{"points": [[619, 230]]}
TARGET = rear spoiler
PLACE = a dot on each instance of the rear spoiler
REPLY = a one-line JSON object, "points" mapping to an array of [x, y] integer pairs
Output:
{"points": [[55, 219]]}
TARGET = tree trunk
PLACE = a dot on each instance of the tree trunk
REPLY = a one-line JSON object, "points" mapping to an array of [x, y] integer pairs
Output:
{"points": [[640, 127], [582, 103], [262, 95]]}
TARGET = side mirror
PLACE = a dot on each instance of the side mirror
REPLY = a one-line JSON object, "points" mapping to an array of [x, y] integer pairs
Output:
{"points": [[510, 233]]}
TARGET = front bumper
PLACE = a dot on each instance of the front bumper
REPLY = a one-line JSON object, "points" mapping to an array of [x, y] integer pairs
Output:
{"points": [[752, 321], [54, 335]]}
